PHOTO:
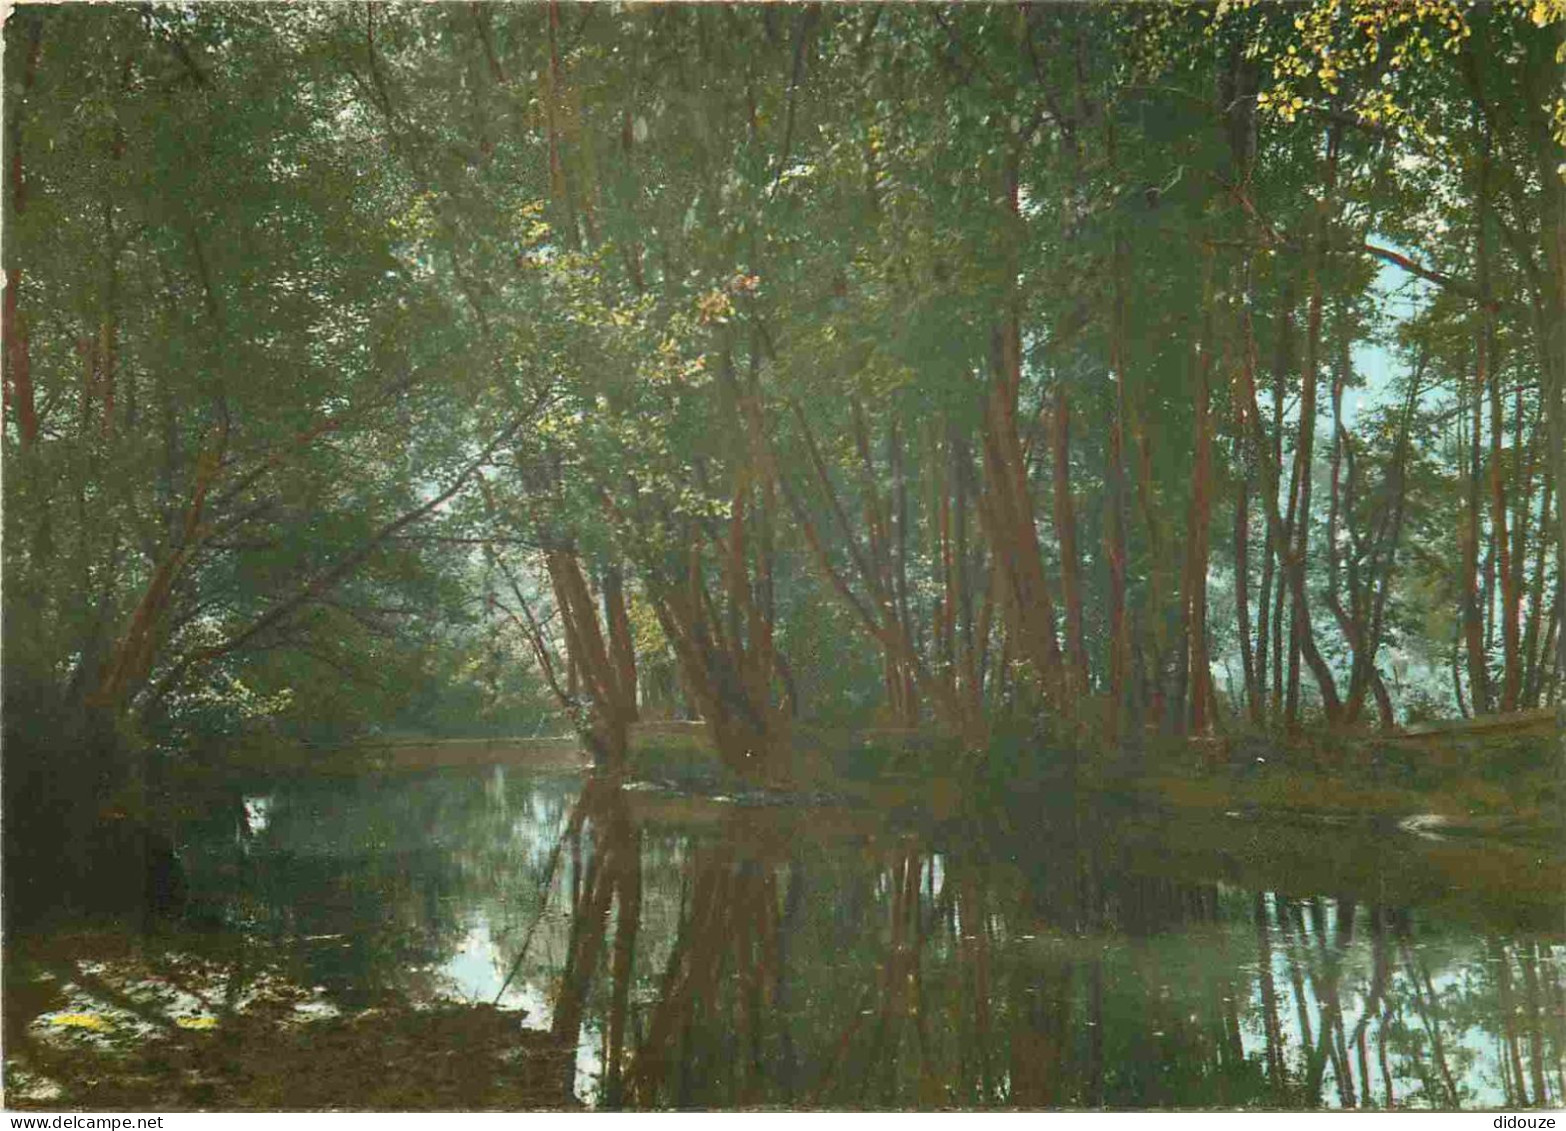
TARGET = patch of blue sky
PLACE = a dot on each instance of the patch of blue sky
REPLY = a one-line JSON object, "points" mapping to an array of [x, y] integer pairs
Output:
{"points": [[1400, 295]]}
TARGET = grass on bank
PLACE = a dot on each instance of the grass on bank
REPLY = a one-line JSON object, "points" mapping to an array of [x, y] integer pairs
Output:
{"points": [[1485, 783], [1490, 780]]}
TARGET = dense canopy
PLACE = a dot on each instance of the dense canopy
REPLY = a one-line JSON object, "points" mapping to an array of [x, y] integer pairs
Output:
{"points": [[1085, 365]]}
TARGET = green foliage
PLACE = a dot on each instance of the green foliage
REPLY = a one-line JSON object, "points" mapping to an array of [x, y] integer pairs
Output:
{"points": [[718, 296]]}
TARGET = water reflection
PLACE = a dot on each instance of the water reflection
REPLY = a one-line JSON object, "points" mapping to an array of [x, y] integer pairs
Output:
{"points": [[685, 954]]}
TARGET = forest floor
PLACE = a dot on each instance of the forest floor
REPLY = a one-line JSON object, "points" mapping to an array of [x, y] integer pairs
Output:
{"points": [[105, 1020]]}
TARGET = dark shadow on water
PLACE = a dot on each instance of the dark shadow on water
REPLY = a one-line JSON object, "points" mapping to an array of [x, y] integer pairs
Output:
{"points": [[588, 943]]}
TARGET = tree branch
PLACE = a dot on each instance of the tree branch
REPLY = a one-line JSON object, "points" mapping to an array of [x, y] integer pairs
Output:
{"points": [[325, 581]]}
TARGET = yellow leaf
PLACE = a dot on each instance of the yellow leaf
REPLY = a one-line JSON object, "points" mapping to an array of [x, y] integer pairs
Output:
{"points": [[81, 1021]]}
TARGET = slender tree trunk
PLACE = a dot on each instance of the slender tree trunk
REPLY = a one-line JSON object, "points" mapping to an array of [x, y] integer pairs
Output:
{"points": [[1525, 433], [1336, 506], [1511, 604], [1473, 612], [1066, 533], [1195, 587], [1269, 627], [1535, 659], [1242, 584], [1457, 674], [1544, 76], [1238, 83], [1299, 620], [19, 398], [908, 690], [880, 616], [1280, 541], [1121, 687], [1293, 566]]}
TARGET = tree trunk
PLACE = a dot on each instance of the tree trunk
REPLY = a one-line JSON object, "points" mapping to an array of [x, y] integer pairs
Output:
{"points": [[1194, 604], [18, 385], [1270, 602], [1066, 534], [1292, 565], [1115, 534], [1535, 661], [1473, 612], [1245, 378], [1008, 500], [1242, 584], [1545, 73]]}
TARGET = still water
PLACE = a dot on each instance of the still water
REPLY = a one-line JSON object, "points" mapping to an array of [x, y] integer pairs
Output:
{"points": [[699, 953], [1035, 952]]}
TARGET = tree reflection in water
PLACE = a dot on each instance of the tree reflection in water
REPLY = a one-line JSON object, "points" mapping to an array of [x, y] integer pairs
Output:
{"points": [[651, 951], [877, 970]]}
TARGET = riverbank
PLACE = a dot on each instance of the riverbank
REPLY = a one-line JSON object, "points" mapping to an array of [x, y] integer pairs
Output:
{"points": [[1497, 778]]}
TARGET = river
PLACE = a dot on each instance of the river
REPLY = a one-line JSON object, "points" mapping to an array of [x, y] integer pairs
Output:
{"points": [[1037, 950]]}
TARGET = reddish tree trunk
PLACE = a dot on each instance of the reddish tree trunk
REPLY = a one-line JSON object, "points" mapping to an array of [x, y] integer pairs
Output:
{"points": [[1008, 500]]}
